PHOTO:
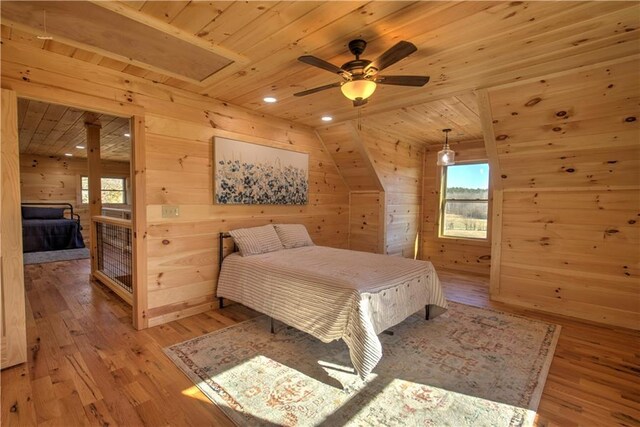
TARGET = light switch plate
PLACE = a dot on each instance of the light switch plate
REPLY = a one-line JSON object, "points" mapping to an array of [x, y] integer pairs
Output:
{"points": [[169, 211]]}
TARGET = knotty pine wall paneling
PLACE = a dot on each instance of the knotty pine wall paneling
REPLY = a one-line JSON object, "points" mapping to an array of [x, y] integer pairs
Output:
{"points": [[366, 192], [57, 179], [182, 258], [383, 173], [366, 216], [473, 256], [569, 152], [398, 163]]}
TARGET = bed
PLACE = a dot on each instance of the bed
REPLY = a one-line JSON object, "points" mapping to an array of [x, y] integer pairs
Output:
{"points": [[50, 227], [333, 293]]}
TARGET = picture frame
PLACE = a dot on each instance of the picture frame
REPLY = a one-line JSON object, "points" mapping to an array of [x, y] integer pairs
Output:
{"points": [[245, 173]]}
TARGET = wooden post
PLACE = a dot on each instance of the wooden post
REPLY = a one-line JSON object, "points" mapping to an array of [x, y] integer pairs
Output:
{"points": [[495, 225], [13, 330], [139, 202], [95, 187]]}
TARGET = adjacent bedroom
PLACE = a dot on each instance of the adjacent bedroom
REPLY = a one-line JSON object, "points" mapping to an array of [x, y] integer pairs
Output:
{"points": [[343, 213]]}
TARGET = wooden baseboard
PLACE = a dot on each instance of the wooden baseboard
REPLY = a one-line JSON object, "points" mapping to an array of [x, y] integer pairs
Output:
{"points": [[598, 316], [186, 312]]}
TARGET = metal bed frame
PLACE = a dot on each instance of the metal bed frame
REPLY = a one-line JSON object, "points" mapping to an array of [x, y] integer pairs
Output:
{"points": [[69, 206], [223, 235]]}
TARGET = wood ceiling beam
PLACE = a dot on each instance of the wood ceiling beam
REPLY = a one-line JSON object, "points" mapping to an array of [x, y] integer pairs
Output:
{"points": [[486, 120]]}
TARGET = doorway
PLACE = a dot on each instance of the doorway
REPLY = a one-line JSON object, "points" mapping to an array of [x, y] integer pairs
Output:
{"points": [[75, 187], [12, 304]]}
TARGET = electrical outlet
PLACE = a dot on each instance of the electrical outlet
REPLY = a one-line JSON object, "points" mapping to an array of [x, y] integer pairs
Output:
{"points": [[170, 211]]}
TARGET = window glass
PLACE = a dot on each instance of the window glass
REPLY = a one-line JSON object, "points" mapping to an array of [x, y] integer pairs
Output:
{"points": [[465, 201], [113, 190], [85, 190]]}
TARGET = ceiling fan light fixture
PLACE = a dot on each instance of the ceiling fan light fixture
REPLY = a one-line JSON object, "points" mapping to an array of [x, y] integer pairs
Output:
{"points": [[358, 89], [446, 156]]}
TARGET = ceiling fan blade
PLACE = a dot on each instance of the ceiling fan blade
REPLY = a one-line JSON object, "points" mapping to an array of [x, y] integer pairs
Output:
{"points": [[402, 80], [317, 89], [321, 63], [360, 102], [399, 51]]}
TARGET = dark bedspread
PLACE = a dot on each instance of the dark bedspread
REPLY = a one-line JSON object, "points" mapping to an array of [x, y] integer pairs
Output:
{"points": [[50, 235]]}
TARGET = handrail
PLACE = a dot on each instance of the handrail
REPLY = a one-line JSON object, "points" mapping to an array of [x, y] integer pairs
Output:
{"points": [[111, 220], [111, 254]]}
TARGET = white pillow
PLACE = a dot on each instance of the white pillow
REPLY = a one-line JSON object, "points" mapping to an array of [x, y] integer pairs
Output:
{"points": [[256, 240], [293, 235]]}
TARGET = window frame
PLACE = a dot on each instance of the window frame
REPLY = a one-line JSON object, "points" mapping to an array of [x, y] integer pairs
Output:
{"points": [[444, 200], [123, 191]]}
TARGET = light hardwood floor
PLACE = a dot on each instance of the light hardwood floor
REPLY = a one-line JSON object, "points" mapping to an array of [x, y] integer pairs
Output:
{"points": [[88, 366]]}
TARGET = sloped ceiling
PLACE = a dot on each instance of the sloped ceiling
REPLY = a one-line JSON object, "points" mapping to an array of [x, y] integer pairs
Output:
{"points": [[55, 130], [461, 45], [423, 123]]}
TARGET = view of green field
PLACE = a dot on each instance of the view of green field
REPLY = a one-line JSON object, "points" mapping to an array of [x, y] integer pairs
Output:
{"points": [[460, 226]]}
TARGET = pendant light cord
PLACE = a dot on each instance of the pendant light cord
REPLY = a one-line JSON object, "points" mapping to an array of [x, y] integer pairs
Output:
{"points": [[446, 138]]}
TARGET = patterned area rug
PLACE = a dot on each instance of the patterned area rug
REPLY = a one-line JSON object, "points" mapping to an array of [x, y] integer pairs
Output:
{"points": [[53, 256], [469, 367]]}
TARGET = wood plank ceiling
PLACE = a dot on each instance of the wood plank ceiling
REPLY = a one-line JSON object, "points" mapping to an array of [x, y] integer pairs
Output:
{"points": [[424, 123], [55, 130], [461, 45]]}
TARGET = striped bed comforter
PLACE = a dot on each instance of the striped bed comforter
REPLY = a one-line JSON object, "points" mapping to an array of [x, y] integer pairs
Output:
{"points": [[334, 293]]}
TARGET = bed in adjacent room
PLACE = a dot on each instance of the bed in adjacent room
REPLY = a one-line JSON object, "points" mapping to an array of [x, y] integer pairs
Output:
{"points": [[329, 293], [50, 227]]}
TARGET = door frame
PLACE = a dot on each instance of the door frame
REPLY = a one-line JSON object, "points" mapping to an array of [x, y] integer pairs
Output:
{"points": [[136, 114], [14, 324]]}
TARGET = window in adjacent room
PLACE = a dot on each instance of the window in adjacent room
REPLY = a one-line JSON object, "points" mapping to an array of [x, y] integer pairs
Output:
{"points": [[113, 190], [465, 201]]}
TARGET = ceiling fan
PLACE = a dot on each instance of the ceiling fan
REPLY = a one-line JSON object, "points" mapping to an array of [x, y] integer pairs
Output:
{"points": [[360, 76]]}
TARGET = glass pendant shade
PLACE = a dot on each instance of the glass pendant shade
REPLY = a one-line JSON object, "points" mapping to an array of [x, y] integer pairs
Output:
{"points": [[446, 156], [358, 89]]}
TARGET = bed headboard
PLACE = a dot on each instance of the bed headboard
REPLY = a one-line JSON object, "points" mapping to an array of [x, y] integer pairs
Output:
{"points": [[64, 205], [224, 235]]}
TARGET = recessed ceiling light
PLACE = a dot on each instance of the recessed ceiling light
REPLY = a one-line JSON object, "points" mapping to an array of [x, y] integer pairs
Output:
{"points": [[68, 154], [80, 147], [127, 135], [327, 118], [269, 99]]}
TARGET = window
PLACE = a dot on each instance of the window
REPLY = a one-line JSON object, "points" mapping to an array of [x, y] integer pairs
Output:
{"points": [[113, 190], [465, 201]]}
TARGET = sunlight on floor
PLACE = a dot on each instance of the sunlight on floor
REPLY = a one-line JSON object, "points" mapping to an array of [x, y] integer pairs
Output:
{"points": [[416, 402], [335, 367], [272, 390], [195, 393]]}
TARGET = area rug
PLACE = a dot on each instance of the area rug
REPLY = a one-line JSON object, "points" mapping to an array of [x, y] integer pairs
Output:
{"points": [[53, 256], [469, 367]]}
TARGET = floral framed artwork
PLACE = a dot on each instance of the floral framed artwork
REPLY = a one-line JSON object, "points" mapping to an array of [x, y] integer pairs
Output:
{"points": [[253, 174]]}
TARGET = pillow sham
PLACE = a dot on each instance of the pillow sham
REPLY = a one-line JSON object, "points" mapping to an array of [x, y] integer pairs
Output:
{"points": [[256, 240], [32, 212], [293, 235]]}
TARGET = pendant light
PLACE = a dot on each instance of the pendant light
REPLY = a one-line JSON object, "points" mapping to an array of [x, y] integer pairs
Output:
{"points": [[446, 156], [46, 35]]}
